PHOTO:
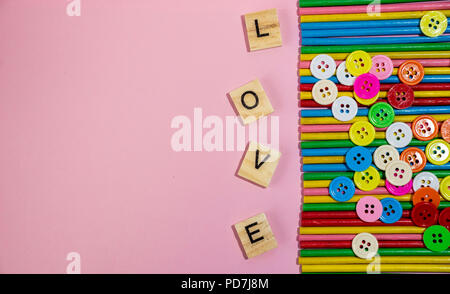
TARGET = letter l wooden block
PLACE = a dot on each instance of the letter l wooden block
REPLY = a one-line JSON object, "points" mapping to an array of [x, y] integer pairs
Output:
{"points": [[251, 102], [256, 235], [259, 164], [263, 29]]}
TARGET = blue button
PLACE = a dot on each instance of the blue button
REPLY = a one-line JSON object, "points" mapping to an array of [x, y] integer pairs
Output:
{"points": [[392, 210], [358, 158], [342, 189]]}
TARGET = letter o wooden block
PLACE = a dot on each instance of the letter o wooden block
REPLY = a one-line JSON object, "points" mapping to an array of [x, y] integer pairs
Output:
{"points": [[251, 102], [255, 235]]}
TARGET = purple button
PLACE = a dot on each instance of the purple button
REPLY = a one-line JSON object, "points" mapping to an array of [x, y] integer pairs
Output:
{"points": [[366, 86], [369, 209], [399, 190]]}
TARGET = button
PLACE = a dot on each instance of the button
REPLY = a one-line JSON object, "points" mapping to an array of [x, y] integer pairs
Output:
{"points": [[367, 180], [344, 108], [392, 210], [425, 128], [424, 214], [381, 115], [369, 209], [436, 238], [444, 218], [445, 188], [438, 152], [358, 158], [398, 190], [342, 189], [366, 101], [445, 130], [382, 67], [399, 135], [400, 96], [365, 245], [358, 63], [428, 195], [344, 76], [362, 133], [383, 155], [411, 72], [366, 86], [433, 23], [324, 92], [322, 66], [398, 173], [425, 179], [415, 158]]}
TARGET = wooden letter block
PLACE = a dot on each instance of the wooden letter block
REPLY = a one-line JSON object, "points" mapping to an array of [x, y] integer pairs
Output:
{"points": [[256, 235], [251, 102], [263, 30], [259, 164]]}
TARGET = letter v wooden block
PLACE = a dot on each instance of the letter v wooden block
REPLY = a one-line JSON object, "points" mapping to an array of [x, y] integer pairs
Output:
{"points": [[256, 235], [263, 30], [259, 164], [251, 102]]}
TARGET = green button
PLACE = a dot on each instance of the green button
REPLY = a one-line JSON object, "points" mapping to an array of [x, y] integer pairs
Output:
{"points": [[436, 238], [381, 115]]}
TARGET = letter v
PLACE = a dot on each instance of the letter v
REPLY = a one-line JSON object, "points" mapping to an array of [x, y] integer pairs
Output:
{"points": [[258, 165]]}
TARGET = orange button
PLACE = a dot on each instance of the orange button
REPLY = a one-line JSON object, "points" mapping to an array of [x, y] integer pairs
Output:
{"points": [[425, 128], [445, 130], [415, 158], [411, 72], [426, 195]]}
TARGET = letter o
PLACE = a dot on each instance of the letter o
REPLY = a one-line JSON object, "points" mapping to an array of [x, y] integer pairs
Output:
{"points": [[245, 104]]}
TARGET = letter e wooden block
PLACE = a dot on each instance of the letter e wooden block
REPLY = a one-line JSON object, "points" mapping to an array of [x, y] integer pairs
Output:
{"points": [[256, 235], [263, 30], [251, 102], [259, 164]]}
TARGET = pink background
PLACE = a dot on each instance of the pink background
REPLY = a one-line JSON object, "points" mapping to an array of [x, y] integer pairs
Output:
{"points": [[85, 158]]}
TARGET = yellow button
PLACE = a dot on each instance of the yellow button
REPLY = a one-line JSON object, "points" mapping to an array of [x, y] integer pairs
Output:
{"points": [[445, 188], [358, 63], [366, 101], [362, 133], [438, 152], [367, 180], [433, 23]]}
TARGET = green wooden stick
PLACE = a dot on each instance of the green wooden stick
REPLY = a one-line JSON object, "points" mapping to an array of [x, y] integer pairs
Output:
{"points": [[316, 176], [320, 3], [347, 143], [377, 48], [381, 251]]}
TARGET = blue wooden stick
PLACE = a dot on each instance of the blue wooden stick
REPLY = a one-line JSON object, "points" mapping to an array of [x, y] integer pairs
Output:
{"points": [[364, 32], [343, 151]]}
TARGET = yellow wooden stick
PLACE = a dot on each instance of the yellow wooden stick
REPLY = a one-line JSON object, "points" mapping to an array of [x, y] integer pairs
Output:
{"points": [[323, 159], [381, 259], [392, 55], [372, 268], [428, 71], [366, 16], [332, 120], [356, 198], [326, 184], [333, 136], [357, 230], [382, 94]]}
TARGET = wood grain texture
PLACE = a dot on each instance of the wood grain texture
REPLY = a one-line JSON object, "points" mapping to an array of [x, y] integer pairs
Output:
{"points": [[268, 28]]}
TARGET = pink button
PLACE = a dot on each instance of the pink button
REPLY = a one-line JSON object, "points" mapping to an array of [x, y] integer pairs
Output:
{"points": [[366, 86], [382, 67], [369, 209], [399, 190]]}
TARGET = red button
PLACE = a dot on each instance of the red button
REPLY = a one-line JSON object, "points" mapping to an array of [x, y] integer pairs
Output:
{"points": [[428, 195], [400, 96], [444, 218], [425, 127], [415, 157], [424, 214]]}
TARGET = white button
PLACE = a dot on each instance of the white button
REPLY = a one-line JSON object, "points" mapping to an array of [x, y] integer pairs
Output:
{"points": [[385, 154], [425, 179], [365, 245], [343, 76], [322, 66], [344, 108], [399, 134], [324, 92], [398, 173]]}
